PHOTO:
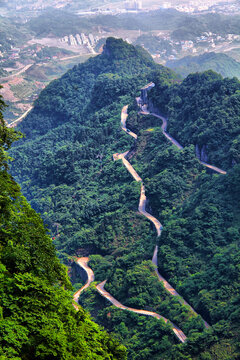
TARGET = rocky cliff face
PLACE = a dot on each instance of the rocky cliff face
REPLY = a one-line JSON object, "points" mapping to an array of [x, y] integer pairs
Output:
{"points": [[201, 153], [152, 108]]}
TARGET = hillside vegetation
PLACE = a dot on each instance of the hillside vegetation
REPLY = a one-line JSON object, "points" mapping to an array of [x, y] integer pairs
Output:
{"points": [[11, 33], [90, 202], [204, 110], [199, 247], [220, 63], [38, 320]]}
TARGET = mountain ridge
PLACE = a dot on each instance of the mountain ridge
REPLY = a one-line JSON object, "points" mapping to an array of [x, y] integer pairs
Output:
{"points": [[218, 62]]}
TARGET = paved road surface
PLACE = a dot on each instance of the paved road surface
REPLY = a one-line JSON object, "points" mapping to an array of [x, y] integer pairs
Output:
{"points": [[141, 209], [213, 168], [169, 288], [148, 86], [124, 116], [164, 128], [127, 164], [83, 262], [178, 332], [144, 111]]}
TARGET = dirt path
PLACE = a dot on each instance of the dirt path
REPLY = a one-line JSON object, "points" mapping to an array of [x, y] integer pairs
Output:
{"points": [[20, 118]]}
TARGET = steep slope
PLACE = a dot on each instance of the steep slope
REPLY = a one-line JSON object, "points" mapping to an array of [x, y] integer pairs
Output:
{"points": [[70, 165], [90, 202], [221, 63], [66, 99], [203, 111], [37, 319], [198, 249]]}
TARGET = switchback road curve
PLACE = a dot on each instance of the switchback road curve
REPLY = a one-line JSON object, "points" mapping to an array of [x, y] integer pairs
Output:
{"points": [[83, 263], [143, 199], [142, 209], [144, 111], [178, 332]]}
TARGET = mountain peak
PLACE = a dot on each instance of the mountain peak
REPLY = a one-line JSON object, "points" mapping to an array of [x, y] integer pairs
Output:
{"points": [[118, 49]]}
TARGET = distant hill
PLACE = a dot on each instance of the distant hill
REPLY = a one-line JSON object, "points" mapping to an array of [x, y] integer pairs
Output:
{"points": [[221, 63], [11, 33]]}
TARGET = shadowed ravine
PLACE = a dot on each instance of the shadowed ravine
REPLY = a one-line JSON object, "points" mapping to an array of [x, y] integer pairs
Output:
{"points": [[142, 209]]}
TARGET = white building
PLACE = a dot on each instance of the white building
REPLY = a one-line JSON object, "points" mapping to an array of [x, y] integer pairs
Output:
{"points": [[133, 5], [78, 38], [84, 38], [72, 40], [91, 39]]}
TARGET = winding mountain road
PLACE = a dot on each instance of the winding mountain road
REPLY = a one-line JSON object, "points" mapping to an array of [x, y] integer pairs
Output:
{"points": [[142, 207], [143, 199], [178, 332], [144, 111], [83, 262], [169, 137], [169, 288], [124, 116]]}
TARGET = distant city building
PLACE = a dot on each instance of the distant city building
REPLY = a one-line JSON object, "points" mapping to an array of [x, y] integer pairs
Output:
{"points": [[133, 5], [78, 38], [65, 39], [91, 39], [72, 40], [84, 38]]}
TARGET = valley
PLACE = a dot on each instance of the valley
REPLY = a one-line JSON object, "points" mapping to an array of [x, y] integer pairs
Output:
{"points": [[78, 126]]}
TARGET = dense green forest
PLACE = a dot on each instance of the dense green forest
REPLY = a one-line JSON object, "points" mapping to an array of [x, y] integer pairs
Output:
{"points": [[199, 247], [38, 320], [204, 111], [218, 62], [89, 202]]}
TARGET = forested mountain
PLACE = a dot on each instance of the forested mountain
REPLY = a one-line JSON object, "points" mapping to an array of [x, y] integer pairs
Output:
{"points": [[89, 202], [38, 320], [221, 63], [204, 111]]}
